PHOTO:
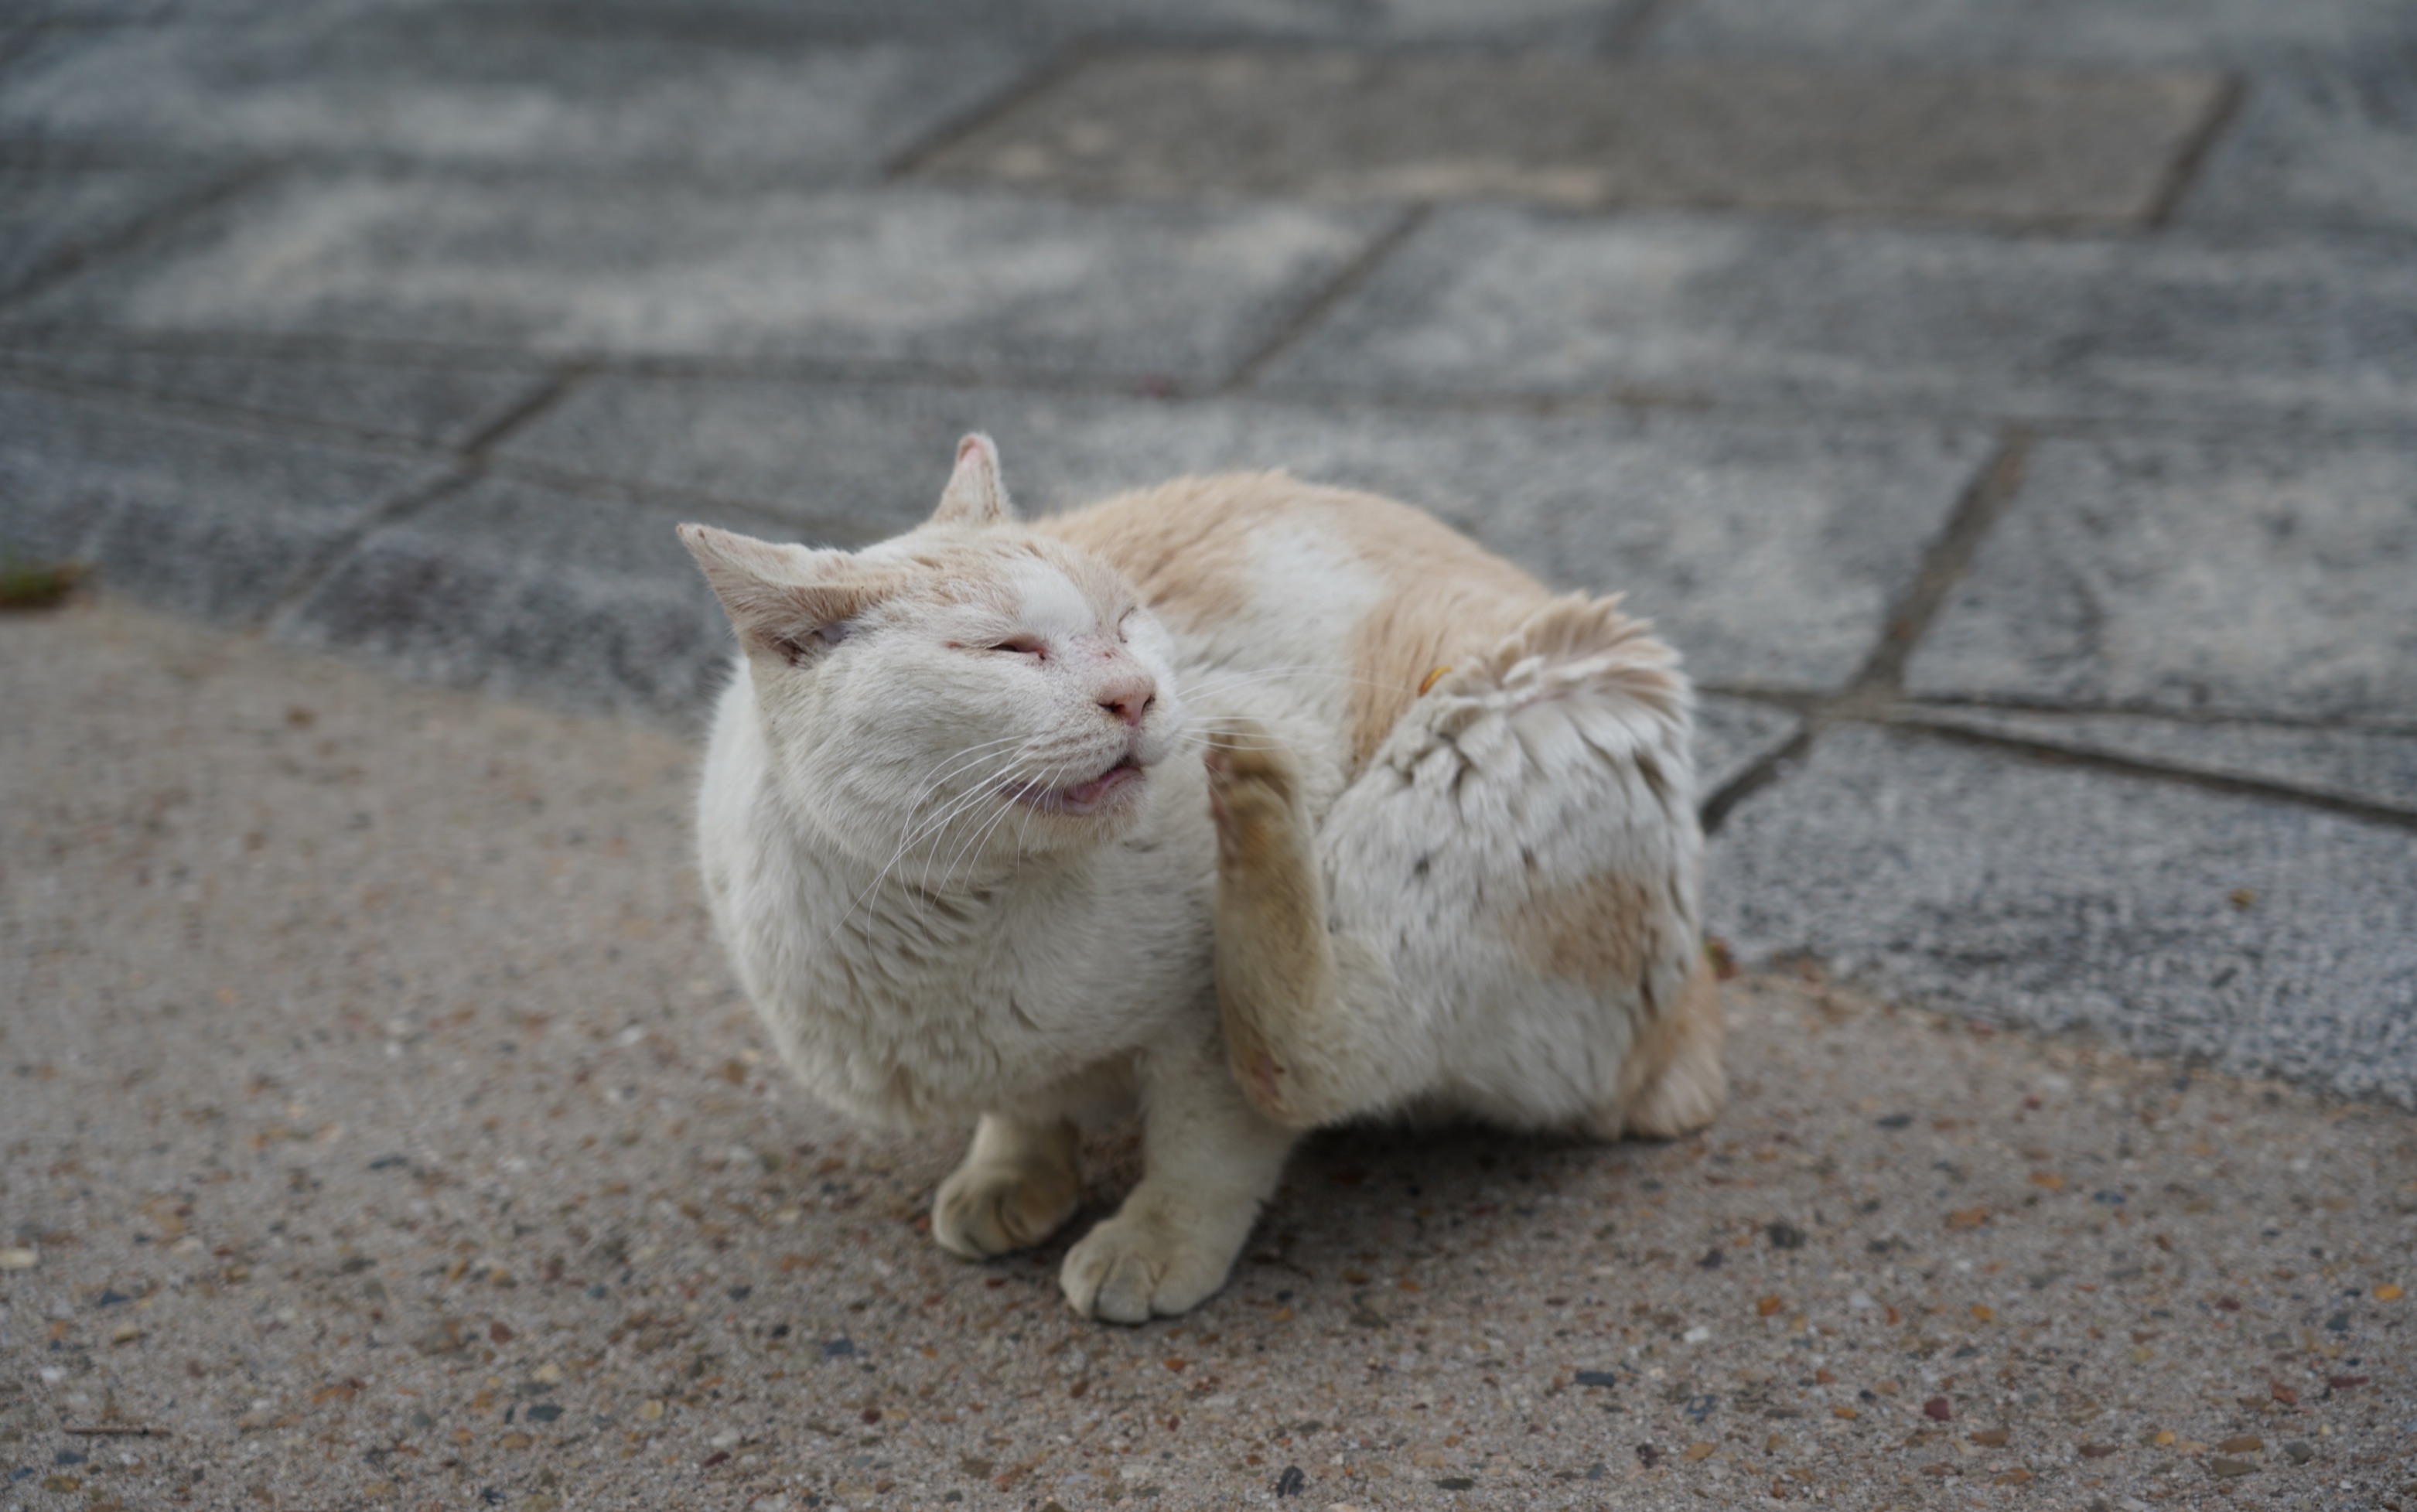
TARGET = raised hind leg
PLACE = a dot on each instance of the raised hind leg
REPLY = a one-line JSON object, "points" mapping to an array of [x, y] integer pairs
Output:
{"points": [[1301, 1003]]}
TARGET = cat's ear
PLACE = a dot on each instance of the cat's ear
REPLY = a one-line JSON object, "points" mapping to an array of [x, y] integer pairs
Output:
{"points": [[975, 495], [786, 601]]}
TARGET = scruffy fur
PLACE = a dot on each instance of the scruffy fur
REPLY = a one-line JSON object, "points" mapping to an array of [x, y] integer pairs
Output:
{"points": [[1255, 805]]}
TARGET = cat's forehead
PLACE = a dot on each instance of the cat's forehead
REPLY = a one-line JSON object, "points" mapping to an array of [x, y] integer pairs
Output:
{"points": [[1028, 577]]}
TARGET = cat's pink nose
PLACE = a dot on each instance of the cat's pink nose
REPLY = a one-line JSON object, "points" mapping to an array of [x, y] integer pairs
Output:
{"points": [[1129, 698]]}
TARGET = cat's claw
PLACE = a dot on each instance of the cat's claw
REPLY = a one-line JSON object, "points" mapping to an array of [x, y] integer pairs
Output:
{"points": [[989, 1209], [1136, 1266]]}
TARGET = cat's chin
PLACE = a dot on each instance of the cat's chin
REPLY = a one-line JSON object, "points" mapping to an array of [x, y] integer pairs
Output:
{"points": [[1110, 792]]}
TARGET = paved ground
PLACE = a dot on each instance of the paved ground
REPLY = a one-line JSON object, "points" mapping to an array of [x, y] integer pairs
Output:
{"points": [[381, 1128], [2009, 410]]}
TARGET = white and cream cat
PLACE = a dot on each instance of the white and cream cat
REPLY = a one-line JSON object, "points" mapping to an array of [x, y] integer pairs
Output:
{"points": [[1253, 805]]}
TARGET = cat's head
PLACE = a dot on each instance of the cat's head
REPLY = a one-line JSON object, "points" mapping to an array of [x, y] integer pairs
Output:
{"points": [[970, 691]]}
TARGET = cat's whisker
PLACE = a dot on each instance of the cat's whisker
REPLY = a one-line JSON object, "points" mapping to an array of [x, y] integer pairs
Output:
{"points": [[933, 823], [975, 793]]}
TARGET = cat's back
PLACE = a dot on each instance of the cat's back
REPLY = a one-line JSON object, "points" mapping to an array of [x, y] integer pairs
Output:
{"points": [[1344, 597]]}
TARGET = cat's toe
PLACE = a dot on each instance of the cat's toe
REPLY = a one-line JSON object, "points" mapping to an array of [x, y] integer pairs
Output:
{"points": [[1251, 783], [1129, 1269], [1244, 752], [982, 1211]]}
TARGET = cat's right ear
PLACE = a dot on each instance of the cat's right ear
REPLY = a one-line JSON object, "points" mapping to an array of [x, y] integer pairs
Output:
{"points": [[786, 601]]}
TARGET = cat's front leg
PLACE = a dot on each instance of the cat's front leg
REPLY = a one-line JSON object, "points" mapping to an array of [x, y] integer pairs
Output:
{"points": [[1210, 1162], [1015, 1186]]}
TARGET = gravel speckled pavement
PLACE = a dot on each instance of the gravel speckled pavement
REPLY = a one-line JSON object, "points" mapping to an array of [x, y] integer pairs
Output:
{"points": [[2010, 412], [382, 1132]]}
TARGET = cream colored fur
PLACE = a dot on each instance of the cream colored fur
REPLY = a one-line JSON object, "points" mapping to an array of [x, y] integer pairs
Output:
{"points": [[1351, 819]]}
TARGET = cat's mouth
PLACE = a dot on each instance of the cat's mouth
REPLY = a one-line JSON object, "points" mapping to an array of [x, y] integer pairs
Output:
{"points": [[1086, 797]]}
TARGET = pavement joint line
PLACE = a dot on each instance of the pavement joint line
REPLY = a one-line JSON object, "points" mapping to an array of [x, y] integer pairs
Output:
{"points": [[1635, 31], [1820, 711], [1950, 556], [324, 562], [1036, 80], [2267, 422], [2183, 173], [232, 417], [674, 498], [1881, 679], [2211, 718], [1346, 281], [75, 261], [543, 396], [1715, 807], [2054, 754]]}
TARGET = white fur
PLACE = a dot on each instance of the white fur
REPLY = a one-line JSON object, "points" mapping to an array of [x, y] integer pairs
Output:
{"points": [[926, 951]]}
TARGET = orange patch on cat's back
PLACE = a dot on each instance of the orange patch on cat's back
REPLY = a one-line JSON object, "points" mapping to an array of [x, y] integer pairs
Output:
{"points": [[1190, 547], [1185, 545]]}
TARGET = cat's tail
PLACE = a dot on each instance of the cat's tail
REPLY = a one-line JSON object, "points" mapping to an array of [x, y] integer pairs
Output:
{"points": [[1505, 899]]}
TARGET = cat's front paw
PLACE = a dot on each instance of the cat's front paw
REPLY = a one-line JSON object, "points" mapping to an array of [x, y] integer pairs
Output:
{"points": [[985, 1208], [1145, 1264]]}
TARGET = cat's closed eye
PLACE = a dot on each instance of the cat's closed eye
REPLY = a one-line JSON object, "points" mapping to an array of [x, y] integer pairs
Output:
{"points": [[1023, 645]]}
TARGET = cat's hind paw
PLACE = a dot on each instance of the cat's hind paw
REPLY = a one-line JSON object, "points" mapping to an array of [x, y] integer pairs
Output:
{"points": [[1251, 785], [1139, 1265], [987, 1208]]}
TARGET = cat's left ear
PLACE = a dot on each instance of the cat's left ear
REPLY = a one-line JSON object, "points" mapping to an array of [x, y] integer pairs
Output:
{"points": [[975, 495]]}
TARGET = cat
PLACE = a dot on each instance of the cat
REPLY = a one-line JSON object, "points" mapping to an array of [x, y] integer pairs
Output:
{"points": [[1255, 805]]}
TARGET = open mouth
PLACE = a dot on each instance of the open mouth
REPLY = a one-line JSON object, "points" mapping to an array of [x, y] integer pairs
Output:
{"points": [[1087, 797]]}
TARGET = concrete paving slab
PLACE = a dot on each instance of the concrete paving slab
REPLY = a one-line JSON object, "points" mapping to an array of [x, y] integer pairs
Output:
{"points": [[2363, 766], [1733, 736], [506, 88], [53, 217], [2072, 31], [2252, 933], [2152, 574], [1845, 318], [1573, 24], [968, 283], [525, 590], [375, 1035], [212, 521], [1488, 24], [432, 403], [2014, 146], [2330, 144], [1769, 555]]}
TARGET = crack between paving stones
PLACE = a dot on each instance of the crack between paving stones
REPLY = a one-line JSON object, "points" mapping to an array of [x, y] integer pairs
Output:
{"points": [[1345, 283], [2049, 753], [2209, 718], [1943, 566], [911, 161], [549, 391], [823, 530], [241, 420], [2181, 174], [1880, 683], [307, 579], [259, 346], [1715, 808], [70, 261], [1629, 39]]}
